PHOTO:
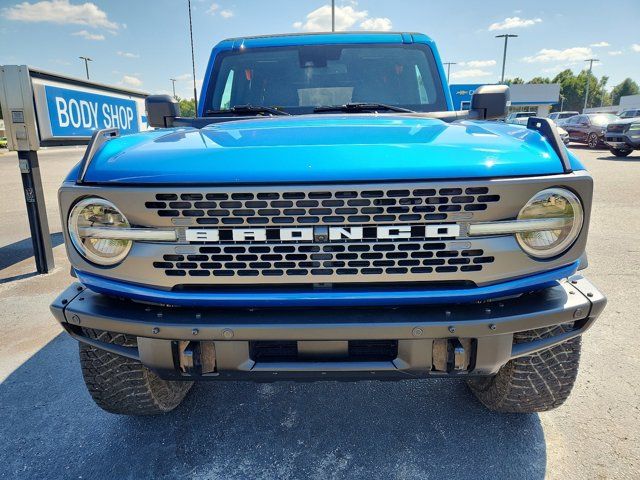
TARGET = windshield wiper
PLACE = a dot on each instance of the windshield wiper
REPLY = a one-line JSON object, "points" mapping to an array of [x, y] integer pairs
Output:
{"points": [[361, 107], [247, 110]]}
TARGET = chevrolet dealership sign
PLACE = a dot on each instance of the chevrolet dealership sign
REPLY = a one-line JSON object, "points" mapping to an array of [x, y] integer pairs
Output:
{"points": [[45, 108]]}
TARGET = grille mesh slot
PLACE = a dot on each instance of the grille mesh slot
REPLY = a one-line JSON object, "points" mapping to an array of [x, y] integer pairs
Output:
{"points": [[377, 258], [323, 207]]}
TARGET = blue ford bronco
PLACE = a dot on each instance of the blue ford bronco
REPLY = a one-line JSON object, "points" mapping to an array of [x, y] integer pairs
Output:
{"points": [[328, 215]]}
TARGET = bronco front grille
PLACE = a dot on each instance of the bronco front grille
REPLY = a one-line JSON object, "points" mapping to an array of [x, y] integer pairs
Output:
{"points": [[303, 260], [300, 207]]}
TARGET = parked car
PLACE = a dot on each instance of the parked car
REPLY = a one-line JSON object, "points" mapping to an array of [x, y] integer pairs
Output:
{"points": [[632, 113], [313, 223], [560, 117], [589, 128], [564, 135], [623, 137], [519, 118]]}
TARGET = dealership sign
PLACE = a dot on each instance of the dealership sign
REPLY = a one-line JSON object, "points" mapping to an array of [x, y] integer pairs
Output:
{"points": [[77, 113], [51, 109]]}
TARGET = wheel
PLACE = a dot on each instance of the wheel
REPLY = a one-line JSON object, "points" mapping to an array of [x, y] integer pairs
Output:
{"points": [[620, 153], [534, 383], [125, 386], [592, 140]]}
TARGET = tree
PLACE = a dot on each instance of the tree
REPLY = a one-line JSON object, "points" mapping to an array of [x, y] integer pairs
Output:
{"points": [[514, 81], [538, 80], [626, 87], [187, 107]]}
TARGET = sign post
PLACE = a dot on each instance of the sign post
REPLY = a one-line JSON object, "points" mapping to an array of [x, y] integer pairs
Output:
{"points": [[43, 109]]}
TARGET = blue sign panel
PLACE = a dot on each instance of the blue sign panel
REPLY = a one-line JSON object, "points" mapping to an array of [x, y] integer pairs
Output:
{"points": [[74, 113], [461, 95]]}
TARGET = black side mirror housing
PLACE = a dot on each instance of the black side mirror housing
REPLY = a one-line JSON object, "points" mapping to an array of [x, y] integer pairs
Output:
{"points": [[490, 101], [161, 110]]}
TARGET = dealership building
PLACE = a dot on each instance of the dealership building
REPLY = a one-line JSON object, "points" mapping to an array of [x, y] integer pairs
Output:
{"points": [[529, 96]]}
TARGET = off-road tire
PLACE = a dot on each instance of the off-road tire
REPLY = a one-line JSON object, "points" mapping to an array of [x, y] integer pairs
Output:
{"points": [[125, 386], [534, 383], [620, 153]]}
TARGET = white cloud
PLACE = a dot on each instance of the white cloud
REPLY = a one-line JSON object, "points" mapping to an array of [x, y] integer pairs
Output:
{"points": [[320, 19], [635, 47], [128, 55], [61, 12], [615, 53], [88, 35], [470, 73], [184, 76], [131, 81], [380, 24], [600, 45], [514, 22], [346, 18], [214, 9], [574, 54], [478, 63]]}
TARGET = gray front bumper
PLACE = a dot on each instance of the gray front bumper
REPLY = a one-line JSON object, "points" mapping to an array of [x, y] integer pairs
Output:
{"points": [[621, 141], [488, 326]]}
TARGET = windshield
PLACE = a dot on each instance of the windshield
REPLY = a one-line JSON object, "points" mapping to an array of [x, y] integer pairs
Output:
{"points": [[603, 119], [298, 79]]}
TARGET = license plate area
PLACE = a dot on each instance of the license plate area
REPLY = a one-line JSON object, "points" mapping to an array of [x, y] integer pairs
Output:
{"points": [[323, 351]]}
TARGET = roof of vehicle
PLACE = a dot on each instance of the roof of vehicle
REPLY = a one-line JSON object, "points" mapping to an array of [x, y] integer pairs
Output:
{"points": [[326, 38], [323, 37]]}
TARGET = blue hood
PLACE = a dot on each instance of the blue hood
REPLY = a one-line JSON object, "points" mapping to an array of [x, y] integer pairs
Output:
{"points": [[325, 148]]}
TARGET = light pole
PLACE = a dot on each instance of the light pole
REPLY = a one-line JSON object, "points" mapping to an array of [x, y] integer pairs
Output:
{"points": [[561, 103], [86, 64], [506, 37], [448, 64], [333, 15], [586, 94], [173, 84]]}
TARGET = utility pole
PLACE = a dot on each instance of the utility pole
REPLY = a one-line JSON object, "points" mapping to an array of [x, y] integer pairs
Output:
{"points": [[333, 15], [561, 102], [448, 64], [173, 84], [586, 94], [193, 64], [86, 64], [506, 37]]}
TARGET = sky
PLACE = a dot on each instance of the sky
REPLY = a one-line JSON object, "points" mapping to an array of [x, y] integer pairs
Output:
{"points": [[141, 44]]}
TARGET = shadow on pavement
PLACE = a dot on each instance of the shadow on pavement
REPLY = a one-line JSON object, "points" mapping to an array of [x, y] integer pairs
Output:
{"points": [[18, 251], [414, 429]]}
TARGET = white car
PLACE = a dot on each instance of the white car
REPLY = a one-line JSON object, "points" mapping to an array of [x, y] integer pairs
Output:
{"points": [[519, 118]]}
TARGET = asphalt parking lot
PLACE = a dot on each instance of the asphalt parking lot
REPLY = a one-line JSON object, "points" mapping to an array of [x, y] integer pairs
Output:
{"points": [[419, 429]]}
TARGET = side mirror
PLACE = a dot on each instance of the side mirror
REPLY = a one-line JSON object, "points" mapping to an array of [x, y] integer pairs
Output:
{"points": [[490, 101], [161, 110]]}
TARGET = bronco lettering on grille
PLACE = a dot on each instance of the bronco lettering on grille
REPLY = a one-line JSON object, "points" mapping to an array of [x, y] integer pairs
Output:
{"points": [[321, 234]]}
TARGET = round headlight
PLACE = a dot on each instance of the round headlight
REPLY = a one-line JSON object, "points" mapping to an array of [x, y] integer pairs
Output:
{"points": [[553, 203], [97, 212]]}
